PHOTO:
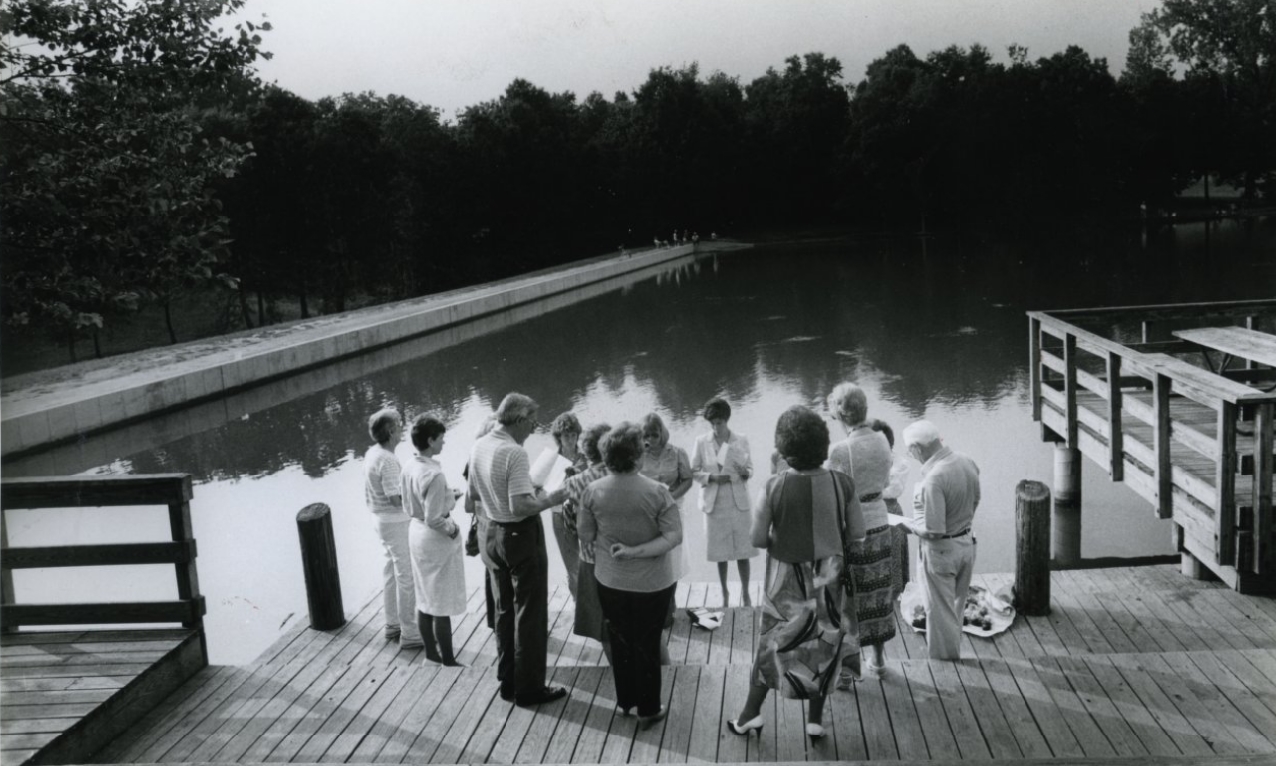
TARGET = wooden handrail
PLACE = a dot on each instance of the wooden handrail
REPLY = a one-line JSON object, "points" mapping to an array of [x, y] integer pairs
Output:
{"points": [[95, 491], [100, 555], [1192, 380], [1169, 310], [1065, 362], [183, 611], [171, 490]]}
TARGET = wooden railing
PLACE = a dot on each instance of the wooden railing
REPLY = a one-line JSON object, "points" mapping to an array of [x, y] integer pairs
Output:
{"points": [[1196, 444], [171, 490]]}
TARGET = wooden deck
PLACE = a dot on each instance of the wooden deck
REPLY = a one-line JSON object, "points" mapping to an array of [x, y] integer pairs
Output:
{"points": [[63, 692], [1131, 663]]}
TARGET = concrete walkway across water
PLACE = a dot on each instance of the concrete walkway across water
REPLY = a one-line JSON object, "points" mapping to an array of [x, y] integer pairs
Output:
{"points": [[1132, 663], [43, 408]]}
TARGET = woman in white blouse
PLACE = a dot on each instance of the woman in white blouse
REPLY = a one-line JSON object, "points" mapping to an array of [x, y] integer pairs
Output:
{"points": [[721, 464], [438, 568]]}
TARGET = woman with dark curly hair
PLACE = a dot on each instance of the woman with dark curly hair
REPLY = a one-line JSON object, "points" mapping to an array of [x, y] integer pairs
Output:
{"points": [[634, 525], [808, 619]]}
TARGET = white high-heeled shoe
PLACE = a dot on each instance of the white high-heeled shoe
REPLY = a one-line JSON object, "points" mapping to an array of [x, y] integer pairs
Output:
{"points": [[814, 730], [744, 728]]}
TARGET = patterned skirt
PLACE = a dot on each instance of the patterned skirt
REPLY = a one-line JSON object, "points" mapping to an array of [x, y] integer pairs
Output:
{"points": [[806, 621], [873, 564]]}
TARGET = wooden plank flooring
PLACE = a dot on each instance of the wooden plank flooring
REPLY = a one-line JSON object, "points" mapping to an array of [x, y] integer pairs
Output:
{"points": [[53, 683], [1131, 663]]}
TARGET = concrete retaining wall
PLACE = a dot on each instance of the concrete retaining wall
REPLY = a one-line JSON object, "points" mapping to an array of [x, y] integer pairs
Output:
{"points": [[40, 412]]}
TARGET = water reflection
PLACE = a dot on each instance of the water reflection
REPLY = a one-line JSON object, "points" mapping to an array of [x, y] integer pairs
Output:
{"points": [[938, 334]]}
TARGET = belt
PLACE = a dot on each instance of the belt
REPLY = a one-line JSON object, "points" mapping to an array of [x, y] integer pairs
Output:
{"points": [[514, 523], [870, 497], [965, 531]]}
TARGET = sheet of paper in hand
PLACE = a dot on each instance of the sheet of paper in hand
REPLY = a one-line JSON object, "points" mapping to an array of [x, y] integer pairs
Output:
{"points": [[549, 470], [722, 456], [894, 519]]}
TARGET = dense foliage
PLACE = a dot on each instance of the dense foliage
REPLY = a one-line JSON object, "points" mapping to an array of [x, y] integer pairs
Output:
{"points": [[141, 158]]}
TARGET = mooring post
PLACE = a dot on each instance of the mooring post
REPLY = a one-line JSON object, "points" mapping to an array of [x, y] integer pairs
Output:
{"points": [[319, 563], [1032, 548], [1066, 548]]}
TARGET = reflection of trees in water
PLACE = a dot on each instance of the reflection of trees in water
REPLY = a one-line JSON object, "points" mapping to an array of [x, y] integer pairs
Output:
{"points": [[940, 324]]}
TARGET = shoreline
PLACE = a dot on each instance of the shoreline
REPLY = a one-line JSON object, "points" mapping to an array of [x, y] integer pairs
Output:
{"points": [[45, 408]]}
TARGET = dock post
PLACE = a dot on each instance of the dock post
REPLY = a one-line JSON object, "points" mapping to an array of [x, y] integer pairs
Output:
{"points": [[319, 563], [1067, 505], [1032, 548]]}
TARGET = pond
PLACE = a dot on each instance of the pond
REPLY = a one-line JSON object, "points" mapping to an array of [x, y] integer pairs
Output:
{"points": [[931, 328]]}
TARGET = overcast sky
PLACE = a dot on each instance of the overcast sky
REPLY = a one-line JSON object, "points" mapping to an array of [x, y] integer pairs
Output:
{"points": [[455, 53]]}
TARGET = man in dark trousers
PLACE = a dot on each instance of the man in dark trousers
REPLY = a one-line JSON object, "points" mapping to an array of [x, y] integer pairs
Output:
{"points": [[500, 478]]}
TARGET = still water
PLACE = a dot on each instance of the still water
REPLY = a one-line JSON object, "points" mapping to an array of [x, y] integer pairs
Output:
{"points": [[932, 329]]}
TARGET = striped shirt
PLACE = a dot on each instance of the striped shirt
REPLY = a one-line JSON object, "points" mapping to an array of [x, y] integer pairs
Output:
{"points": [[499, 472], [381, 481]]}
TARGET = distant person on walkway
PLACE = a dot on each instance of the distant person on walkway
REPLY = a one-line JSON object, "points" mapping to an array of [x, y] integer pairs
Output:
{"points": [[808, 618], [634, 525], [500, 479], [438, 565], [589, 610], [865, 456], [944, 503], [382, 490], [721, 464]]}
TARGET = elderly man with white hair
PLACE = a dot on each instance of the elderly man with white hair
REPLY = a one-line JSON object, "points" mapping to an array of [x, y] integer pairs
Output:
{"points": [[500, 478], [944, 502]]}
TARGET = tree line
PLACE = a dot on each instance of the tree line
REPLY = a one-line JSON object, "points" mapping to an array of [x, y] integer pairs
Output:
{"points": [[143, 159]]}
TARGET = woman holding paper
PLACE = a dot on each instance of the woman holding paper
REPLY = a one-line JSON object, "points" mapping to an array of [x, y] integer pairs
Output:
{"points": [[549, 473], [434, 540], [722, 464], [865, 456]]}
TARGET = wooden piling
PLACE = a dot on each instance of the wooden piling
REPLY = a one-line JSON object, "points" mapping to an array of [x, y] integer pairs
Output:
{"points": [[319, 563], [1032, 548], [1066, 540]]}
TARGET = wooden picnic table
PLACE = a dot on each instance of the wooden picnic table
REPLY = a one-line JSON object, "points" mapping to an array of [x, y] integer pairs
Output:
{"points": [[1238, 342]]}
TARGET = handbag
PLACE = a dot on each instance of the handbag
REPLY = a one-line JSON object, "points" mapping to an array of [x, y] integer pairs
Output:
{"points": [[471, 539], [848, 576]]}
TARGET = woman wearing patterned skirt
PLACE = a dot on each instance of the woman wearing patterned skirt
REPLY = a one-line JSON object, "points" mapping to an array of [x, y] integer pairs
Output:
{"points": [[808, 619], [865, 456]]}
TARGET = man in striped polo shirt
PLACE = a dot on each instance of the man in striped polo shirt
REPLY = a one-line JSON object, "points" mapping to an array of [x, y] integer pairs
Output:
{"points": [[500, 478]]}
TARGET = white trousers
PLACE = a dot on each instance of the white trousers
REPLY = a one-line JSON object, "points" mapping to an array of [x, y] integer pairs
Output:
{"points": [[946, 569], [399, 591]]}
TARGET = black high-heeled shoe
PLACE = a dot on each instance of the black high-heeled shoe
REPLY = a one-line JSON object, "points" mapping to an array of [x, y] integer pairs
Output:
{"points": [[744, 728]]}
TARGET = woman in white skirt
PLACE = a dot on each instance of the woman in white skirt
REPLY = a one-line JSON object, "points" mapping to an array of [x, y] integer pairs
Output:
{"points": [[722, 464], [438, 567]]}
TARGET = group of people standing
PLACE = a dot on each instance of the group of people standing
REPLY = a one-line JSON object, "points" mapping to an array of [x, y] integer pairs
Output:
{"points": [[823, 520]]}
